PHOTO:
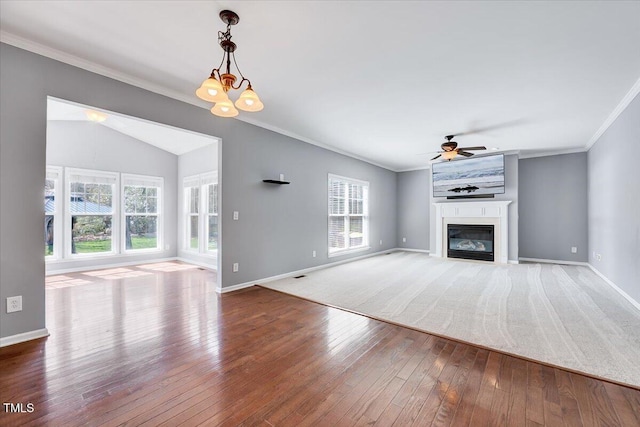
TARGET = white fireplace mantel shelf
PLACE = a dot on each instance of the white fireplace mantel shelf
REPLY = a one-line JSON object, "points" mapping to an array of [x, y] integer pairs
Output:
{"points": [[476, 212]]}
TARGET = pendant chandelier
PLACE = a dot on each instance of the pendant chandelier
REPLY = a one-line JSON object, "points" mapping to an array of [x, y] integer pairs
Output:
{"points": [[214, 89]]}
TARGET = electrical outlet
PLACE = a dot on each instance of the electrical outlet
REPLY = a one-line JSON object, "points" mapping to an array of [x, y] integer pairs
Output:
{"points": [[14, 304], [574, 249], [236, 215], [404, 240], [313, 254], [599, 257], [235, 267]]}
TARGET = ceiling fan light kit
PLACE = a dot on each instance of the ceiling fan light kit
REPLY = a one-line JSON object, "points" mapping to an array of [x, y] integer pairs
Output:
{"points": [[216, 87], [450, 149]]}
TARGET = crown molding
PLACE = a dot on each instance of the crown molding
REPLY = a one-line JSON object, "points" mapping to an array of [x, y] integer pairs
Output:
{"points": [[311, 141], [419, 168], [552, 153], [58, 55], [633, 92]]}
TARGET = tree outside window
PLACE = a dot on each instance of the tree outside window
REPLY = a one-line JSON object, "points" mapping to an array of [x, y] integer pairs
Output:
{"points": [[141, 217], [91, 207]]}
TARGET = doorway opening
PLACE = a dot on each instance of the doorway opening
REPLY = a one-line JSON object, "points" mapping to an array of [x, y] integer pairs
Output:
{"points": [[121, 191]]}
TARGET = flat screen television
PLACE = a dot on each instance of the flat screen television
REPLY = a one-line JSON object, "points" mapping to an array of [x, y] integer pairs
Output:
{"points": [[475, 176]]}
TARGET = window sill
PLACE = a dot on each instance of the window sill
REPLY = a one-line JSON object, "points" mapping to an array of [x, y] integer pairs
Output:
{"points": [[101, 256], [349, 251], [130, 252]]}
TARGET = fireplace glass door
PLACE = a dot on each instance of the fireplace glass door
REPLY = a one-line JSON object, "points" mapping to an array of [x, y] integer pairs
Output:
{"points": [[470, 241]]}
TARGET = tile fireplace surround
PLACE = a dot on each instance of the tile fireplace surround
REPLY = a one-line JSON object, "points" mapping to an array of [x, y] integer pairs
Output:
{"points": [[476, 212]]}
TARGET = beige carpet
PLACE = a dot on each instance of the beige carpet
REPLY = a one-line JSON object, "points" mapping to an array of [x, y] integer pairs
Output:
{"points": [[562, 315]]}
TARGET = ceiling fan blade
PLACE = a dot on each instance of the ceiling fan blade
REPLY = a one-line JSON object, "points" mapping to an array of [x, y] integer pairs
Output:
{"points": [[436, 156], [491, 127], [474, 148], [464, 153]]}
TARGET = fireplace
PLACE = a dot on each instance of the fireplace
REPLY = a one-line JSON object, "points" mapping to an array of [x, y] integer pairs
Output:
{"points": [[493, 212], [469, 241]]}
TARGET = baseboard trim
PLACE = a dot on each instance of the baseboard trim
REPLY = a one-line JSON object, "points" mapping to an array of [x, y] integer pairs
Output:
{"points": [[554, 261], [513, 261], [298, 272], [107, 266], [626, 296], [23, 337], [199, 263], [422, 251]]}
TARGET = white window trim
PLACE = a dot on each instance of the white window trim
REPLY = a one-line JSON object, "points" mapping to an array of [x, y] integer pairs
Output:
{"points": [[200, 181], [365, 246], [115, 225], [145, 181], [207, 215], [55, 173], [187, 219]]}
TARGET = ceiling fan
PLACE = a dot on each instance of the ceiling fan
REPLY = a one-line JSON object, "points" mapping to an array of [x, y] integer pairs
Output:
{"points": [[451, 150]]}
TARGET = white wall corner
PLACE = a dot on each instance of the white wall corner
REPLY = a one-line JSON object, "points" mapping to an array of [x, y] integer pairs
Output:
{"points": [[630, 96]]}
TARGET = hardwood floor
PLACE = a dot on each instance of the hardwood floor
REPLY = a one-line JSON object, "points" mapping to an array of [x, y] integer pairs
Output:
{"points": [[155, 345]]}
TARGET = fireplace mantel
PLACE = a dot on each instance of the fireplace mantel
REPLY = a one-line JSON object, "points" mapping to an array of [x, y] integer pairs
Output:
{"points": [[476, 212]]}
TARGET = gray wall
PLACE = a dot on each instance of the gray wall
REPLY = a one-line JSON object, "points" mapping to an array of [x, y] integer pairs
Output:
{"points": [[93, 146], [510, 193], [279, 225], [202, 160], [614, 201], [553, 207], [413, 209]]}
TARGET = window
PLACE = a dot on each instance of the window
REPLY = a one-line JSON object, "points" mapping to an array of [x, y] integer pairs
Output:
{"points": [[52, 221], [141, 212], [348, 215], [193, 218], [201, 213], [90, 210], [212, 217], [85, 216]]}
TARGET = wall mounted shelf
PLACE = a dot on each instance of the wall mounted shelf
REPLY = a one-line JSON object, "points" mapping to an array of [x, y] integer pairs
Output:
{"points": [[275, 181]]}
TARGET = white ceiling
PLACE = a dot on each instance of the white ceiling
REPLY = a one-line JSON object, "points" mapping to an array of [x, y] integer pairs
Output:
{"points": [[381, 80], [167, 138]]}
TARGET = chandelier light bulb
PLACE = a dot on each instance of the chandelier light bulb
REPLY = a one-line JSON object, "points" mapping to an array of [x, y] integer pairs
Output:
{"points": [[224, 109], [249, 101], [211, 90]]}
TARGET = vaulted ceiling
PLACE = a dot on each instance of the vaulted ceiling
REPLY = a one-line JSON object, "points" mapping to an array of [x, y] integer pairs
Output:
{"points": [[381, 80]]}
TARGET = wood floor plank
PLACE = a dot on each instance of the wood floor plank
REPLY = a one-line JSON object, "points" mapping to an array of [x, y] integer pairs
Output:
{"points": [[568, 404], [156, 345], [535, 394], [517, 393], [626, 404], [452, 396], [481, 415], [469, 394]]}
